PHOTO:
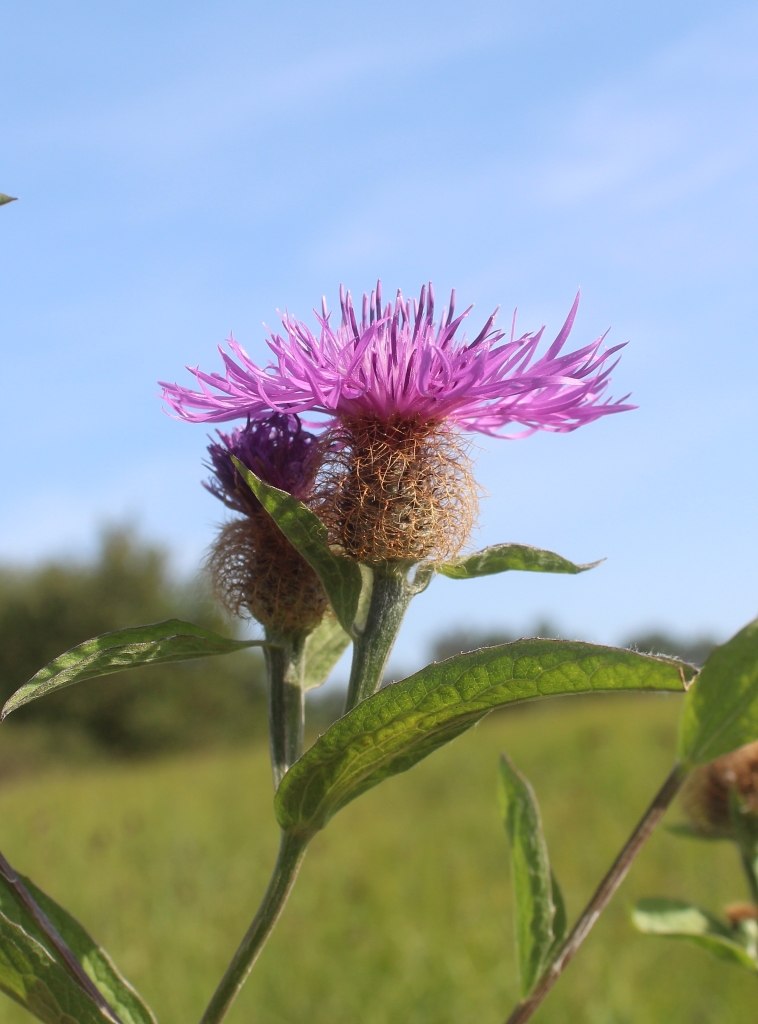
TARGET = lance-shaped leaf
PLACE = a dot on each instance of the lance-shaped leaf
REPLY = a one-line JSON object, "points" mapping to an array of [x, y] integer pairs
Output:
{"points": [[6, 199], [38, 970], [323, 649], [341, 578], [503, 557], [721, 709], [406, 721], [536, 908], [120, 995], [156, 644], [560, 918], [679, 920]]}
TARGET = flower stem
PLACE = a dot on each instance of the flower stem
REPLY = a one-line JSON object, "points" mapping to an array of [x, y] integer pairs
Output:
{"points": [[390, 597], [602, 896], [291, 853], [286, 700], [750, 864]]}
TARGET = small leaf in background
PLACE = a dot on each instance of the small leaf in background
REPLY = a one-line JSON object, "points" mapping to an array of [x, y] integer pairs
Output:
{"points": [[6, 199], [323, 649], [341, 578], [721, 708], [33, 970], [403, 723], [157, 643], [504, 557], [532, 884], [679, 920], [687, 831]]}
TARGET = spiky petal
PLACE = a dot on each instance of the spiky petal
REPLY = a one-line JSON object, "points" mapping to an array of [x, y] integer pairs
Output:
{"points": [[399, 362]]}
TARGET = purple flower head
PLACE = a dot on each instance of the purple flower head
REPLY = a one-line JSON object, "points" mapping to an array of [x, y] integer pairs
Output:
{"points": [[276, 449], [397, 362]]}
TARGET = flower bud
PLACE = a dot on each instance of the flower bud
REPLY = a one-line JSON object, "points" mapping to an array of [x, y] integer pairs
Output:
{"points": [[254, 569], [715, 792]]}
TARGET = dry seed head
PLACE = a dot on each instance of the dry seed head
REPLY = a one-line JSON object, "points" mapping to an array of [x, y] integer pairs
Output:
{"points": [[708, 792], [253, 567], [396, 489], [738, 912], [256, 572]]}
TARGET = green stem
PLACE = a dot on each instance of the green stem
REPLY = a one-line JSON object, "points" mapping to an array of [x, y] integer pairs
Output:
{"points": [[750, 864], [286, 700], [613, 879], [291, 853], [390, 596]]}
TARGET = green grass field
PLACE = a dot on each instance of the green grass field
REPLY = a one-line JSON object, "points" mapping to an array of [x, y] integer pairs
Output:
{"points": [[402, 912]]}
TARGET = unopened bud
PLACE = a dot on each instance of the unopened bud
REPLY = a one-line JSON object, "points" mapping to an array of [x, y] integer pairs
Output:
{"points": [[254, 569], [716, 791]]}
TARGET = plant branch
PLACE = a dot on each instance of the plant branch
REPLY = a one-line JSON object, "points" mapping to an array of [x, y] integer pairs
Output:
{"points": [[613, 879], [390, 596], [750, 864], [291, 853], [286, 700]]}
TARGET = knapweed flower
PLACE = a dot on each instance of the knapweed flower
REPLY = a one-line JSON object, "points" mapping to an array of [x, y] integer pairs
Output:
{"points": [[253, 566], [398, 389], [716, 791]]}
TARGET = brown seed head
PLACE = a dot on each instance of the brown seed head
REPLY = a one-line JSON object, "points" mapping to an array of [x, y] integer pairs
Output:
{"points": [[737, 912], [401, 489], [256, 572], [710, 790]]}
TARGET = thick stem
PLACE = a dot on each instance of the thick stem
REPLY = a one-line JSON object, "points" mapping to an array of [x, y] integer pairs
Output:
{"points": [[286, 700], [602, 896], [291, 853], [390, 597]]}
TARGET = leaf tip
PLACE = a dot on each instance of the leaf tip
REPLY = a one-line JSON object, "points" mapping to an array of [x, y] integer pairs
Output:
{"points": [[688, 674], [591, 565]]}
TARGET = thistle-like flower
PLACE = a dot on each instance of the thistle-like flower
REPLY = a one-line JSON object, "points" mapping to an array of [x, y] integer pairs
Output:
{"points": [[397, 390], [253, 566]]}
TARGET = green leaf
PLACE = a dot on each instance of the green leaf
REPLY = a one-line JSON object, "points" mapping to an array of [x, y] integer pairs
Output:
{"points": [[687, 831], [6, 199], [502, 557], [406, 721], [323, 649], [33, 970], [532, 885], [721, 708], [560, 919], [679, 920], [120, 995], [158, 643], [342, 578]]}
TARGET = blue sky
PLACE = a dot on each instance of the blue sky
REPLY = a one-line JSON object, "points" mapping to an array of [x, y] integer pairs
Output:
{"points": [[187, 169]]}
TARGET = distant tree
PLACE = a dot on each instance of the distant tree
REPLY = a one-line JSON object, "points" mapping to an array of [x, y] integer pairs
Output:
{"points": [[693, 649], [47, 610], [462, 641]]}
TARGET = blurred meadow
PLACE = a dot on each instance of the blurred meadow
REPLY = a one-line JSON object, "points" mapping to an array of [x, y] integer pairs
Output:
{"points": [[143, 803], [403, 909]]}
